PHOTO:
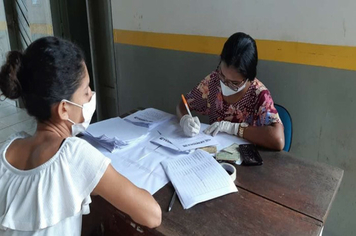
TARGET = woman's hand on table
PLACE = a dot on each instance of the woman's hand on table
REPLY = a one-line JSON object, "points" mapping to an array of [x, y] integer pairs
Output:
{"points": [[222, 126]]}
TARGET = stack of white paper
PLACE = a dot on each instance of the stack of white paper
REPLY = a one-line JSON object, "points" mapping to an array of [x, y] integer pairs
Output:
{"points": [[198, 177], [116, 133], [149, 118]]}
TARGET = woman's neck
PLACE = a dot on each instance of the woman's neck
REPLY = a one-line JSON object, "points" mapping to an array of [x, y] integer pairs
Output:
{"points": [[54, 129]]}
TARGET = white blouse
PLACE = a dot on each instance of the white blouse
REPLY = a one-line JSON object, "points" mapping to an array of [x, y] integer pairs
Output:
{"points": [[51, 198]]}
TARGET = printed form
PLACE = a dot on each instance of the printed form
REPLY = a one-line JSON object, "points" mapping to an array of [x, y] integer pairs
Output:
{"points": [[198, 177]]}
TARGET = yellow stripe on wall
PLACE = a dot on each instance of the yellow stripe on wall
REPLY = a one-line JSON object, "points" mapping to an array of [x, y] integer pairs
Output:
{"points": [[3, 25], [340, 57], [44, 29]]}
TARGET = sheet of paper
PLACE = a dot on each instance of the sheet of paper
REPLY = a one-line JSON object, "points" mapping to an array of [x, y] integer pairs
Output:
{"points": [[184, 143], [117, 128], [140, 164], [165, 142], [149, 117], [198, 177], [172, 136], [191, 143]]}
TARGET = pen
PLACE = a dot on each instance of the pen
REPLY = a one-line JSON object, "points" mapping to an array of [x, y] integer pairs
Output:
{"points": [[143, 156], [172, 201], [186, 104]]}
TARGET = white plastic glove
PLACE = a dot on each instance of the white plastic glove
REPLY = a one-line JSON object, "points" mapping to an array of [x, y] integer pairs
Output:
{"points": [[190, 125], [223, 126]]}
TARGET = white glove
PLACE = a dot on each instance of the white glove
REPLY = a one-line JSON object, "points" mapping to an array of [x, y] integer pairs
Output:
{"points": [[190, 125], [223, 126]]}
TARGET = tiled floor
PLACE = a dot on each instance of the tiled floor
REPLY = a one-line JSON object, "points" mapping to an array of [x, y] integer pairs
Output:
{"points": [[13, 119]]}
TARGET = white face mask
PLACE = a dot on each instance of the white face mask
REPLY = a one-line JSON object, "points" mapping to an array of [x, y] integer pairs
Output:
{"points": [[88, 110], [227, 91]]}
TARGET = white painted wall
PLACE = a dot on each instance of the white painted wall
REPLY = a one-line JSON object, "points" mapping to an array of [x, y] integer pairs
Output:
{"points": [[39, 11], [4, 36], [2, 11], [331, 22]]}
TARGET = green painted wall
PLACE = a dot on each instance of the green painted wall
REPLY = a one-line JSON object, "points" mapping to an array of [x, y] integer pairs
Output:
{"points": [[320, 100]]}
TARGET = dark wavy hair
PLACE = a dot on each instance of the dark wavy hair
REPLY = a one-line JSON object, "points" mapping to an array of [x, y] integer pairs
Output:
{"points": [[240, 51], [49, 70]]}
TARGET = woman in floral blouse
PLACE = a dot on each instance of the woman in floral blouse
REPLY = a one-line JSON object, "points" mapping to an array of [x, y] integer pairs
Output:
{"points": [[234, 99]]}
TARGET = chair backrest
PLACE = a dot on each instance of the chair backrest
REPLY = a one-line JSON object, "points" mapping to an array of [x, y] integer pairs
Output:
{"points": [[287, 123]]}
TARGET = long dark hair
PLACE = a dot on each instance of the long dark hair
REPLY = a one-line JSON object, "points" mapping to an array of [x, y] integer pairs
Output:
{"points": [[240, 51], [49, 70]]}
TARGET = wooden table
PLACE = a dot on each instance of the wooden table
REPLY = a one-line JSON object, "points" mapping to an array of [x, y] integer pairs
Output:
{"points": [[285, 196]]}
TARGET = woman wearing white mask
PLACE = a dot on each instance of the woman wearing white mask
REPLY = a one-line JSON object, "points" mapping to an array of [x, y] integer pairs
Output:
{"points": [[46, 179], [234, 99]]}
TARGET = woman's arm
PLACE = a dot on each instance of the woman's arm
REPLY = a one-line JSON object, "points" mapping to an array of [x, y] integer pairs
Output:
{"points": [[125, 196], [271, 136]]}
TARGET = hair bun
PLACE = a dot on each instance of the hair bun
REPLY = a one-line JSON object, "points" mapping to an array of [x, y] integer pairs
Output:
{"points": [[9, 82]]}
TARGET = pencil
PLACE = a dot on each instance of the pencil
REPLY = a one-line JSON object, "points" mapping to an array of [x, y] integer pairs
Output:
{"points": [[186, 105]]}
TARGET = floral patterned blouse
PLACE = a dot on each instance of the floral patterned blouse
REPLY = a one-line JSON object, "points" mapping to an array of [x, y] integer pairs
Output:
{"points": [[255, 108]]}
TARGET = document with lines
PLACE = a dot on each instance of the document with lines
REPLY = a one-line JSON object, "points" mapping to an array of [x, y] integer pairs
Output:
{"points": [[198, 177]]}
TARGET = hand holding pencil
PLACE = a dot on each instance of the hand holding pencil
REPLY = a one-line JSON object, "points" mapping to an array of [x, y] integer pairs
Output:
{"points": [[190, 124]]}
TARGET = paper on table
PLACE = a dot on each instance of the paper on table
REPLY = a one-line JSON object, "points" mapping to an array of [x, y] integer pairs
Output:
{"points": [[149, 117], [115, 133], [139, 164], [116, 128], [173, 137], [165, 142], [200, 140], [197, 178]]}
